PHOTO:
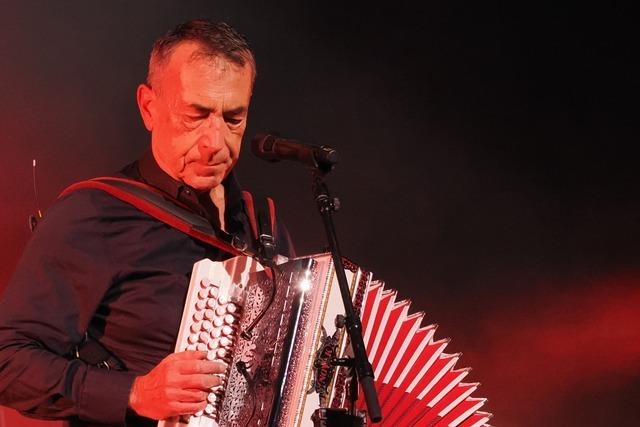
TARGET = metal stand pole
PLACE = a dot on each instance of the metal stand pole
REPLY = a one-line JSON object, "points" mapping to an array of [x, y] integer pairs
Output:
{"points": [[364, 370]]}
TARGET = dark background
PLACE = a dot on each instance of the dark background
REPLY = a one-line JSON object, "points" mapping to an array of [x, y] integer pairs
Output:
{"points": [[489, 165]]}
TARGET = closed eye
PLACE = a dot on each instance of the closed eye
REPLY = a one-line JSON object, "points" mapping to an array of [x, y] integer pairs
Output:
{"points": [[198, 117], [234, 121]]}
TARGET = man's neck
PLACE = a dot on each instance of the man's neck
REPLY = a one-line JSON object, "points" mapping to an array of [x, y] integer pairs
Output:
{"points": [[217, 195]]}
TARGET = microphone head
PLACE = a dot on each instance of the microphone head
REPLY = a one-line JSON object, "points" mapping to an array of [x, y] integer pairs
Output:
{"points": [[262, 146], [273, 148]]}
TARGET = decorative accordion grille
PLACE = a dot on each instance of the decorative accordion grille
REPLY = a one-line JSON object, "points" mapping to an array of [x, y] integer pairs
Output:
{"points": [[281, 372]]}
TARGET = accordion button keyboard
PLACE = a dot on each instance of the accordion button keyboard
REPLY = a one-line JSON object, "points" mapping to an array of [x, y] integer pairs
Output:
{"points": [[214, 311]]}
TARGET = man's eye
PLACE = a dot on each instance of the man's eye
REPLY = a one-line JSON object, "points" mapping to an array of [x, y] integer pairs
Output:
{"points": [[196, 118], [233, 121]]}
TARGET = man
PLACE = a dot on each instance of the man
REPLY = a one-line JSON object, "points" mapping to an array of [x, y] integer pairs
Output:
{"points": [[100, 266]]}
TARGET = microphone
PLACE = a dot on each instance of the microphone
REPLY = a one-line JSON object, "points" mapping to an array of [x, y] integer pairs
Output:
{"points": [[274, 148]]}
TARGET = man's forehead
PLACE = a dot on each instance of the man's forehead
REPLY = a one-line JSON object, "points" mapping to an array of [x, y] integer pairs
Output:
{"points": [[193, 71]]}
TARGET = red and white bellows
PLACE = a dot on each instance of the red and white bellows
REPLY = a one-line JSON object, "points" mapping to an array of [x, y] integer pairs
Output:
{"points": [[417, 382]]}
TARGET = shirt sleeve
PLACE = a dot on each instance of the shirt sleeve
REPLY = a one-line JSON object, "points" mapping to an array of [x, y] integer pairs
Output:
{"points": [[44, 312]]}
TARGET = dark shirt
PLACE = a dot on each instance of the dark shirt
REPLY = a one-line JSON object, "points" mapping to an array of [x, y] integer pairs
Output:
{"points": [[100, 265]]}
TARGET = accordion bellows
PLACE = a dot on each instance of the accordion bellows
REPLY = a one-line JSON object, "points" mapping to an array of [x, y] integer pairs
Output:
{"points": [[279, 332]]}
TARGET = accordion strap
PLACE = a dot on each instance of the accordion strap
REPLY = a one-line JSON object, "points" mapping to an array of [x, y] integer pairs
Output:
{"points": [[159, 205], [262, 218]]}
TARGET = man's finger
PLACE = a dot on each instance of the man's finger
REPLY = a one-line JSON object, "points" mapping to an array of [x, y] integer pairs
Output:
{"points": [[200, 367], [188, 395], [187, 355], [186, 408], [200, 381]]}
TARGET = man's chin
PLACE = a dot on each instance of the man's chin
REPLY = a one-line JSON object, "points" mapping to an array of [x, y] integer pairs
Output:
{"points": [[202, 183]]}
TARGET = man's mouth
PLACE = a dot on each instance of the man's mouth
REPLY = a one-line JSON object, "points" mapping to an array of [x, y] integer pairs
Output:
{"points": [[208, 170]]}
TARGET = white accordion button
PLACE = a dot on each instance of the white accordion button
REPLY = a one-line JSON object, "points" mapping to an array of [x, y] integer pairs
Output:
{"points": [[218, 321], [223, 300], [213, 292], [227, 330], [206, 325], [205, 337], [232, 308], [197, 316], [212, 345], [229, 319], [216, 332], [205, 282], [209, 409], [211, 303], [203, 293], [193, 338], [225, 342], [221, 353], [220, 310], [201, 347], [200, 305], [195, 327], [212, 398], [211, 355], [209, 314]]}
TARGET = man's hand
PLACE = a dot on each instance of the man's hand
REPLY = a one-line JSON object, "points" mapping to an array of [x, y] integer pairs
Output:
{"points": [[178, 385]]}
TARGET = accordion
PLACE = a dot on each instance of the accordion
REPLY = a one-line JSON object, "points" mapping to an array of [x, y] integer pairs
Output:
{"points": [[281, 330]]}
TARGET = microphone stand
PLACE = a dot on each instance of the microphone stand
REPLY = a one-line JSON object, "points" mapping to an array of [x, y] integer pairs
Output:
{"points": [[363, 369]]}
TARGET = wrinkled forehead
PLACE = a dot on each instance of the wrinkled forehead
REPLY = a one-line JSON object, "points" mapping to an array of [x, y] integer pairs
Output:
{"points": [[211, 82]]}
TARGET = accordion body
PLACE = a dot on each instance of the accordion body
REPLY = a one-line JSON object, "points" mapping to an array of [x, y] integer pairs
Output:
{"points": [[281, 330]]}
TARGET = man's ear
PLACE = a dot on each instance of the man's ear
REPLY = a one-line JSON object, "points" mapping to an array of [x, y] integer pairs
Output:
{"points": [[146, 103]]}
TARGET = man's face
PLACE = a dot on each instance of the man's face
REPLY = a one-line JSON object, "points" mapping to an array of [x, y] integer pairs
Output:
{"points": [[197, 113]]}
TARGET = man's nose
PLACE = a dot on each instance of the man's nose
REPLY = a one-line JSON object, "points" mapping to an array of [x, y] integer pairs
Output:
{"points": [[212, 139]]}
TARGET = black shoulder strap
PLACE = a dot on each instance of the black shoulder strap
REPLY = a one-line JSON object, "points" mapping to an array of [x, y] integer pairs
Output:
{"points": [[156, 204], [262, 218]]}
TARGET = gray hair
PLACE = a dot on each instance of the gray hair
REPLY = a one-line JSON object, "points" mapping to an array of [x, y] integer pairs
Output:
{"points": [[215, 39]]}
